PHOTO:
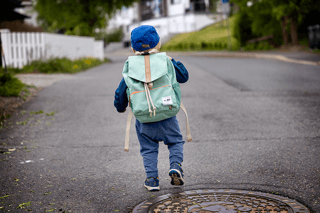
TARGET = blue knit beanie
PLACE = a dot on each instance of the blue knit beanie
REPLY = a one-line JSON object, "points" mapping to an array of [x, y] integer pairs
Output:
{"points": [[144, 37]]}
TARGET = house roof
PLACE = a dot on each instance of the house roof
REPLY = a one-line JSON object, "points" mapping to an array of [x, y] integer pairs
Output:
{"points": [[11, 4], [10, 15], [7, 12]]}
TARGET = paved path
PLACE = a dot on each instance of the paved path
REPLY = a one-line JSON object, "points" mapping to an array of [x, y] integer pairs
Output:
{"points": [[42, 80], [255, 124]]}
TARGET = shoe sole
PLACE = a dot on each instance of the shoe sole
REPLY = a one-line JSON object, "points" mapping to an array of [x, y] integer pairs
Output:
{"points": [[176, 177], [152, 188]]}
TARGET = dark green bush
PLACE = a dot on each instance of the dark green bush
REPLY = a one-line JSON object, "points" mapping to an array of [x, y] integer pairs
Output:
{"points": [[242, 28], [225, 46], [258, 46], [60, 65], [192, 46], [179, 46], [9, 85], [204, 45], [114, 36]]}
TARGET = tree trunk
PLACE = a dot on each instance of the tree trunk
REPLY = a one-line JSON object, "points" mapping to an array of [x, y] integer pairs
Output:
{"points": [[294, 31], [284, 32]]}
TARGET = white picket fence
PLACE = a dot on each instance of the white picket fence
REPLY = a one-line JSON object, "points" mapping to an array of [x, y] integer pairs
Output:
{"points": [[22, 48]]}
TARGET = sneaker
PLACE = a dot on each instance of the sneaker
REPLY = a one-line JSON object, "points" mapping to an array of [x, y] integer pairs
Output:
{"points": [[176, 174], [152, 184]]}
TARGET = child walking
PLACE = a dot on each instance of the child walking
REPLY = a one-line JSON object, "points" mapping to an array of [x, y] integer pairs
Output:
{"points": [[145, 40]]}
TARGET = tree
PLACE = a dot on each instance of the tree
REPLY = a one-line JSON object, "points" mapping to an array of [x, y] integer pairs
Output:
{"points": [[255, 21], [77, 17], [268, 16], [292, 12]]}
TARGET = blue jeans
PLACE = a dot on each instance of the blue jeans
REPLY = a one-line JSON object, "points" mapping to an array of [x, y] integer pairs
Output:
{"points": [[149, 135]]}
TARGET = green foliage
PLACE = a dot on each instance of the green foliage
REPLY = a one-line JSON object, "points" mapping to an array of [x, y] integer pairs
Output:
{"points": [[60, 65], [202, 46], [9, 85], [262, 46], [114, 36], [256, 22], [264, 17], [76, 17], [214, 6], [316, 51]]}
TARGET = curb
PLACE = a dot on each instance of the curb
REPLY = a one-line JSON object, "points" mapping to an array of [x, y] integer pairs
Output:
{"points": [[247, 55]]}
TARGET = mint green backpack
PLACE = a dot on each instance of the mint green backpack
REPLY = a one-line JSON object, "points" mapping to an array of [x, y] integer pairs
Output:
{"points": [[153, 91]]}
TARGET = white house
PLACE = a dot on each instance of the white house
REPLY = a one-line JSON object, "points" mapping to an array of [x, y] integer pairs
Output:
{"points": [[169, 17]]}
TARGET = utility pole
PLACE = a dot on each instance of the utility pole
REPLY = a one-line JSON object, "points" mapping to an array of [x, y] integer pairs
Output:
{"points": [[0, 51], [226, 11], [2, 56]]}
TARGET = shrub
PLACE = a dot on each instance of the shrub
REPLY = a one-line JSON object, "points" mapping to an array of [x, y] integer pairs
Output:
{"points": [[114, 36], [9, 85], [225, 45], [192, 46], [258, 46], [185, 46], [242, 28], [61, 65], [179, 46], [204, 45]]}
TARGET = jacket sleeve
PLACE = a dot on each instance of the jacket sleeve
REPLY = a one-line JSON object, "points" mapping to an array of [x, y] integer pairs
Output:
{"points": [[120, 97], [181, 72]]}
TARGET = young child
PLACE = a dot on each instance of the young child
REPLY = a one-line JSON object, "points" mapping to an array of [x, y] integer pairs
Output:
{"points": [[146, 39]]}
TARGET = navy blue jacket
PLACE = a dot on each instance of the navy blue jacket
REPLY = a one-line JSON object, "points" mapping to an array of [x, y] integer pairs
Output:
{"points": [[121, 99]]}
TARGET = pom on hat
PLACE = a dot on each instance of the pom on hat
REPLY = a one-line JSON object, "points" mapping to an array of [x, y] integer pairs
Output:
{"points": [[144, 37]]}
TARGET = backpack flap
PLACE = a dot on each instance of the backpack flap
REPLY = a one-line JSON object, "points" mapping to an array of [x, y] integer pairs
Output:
{"points": [[158, 67]]}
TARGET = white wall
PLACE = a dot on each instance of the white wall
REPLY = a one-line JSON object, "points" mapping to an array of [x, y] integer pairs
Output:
{"points": [[22, 48], [69, 46], [202, 20], [177, 8]]}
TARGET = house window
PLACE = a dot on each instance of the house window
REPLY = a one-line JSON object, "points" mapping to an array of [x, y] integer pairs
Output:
{"points": [[151, 9], [175, 1]]}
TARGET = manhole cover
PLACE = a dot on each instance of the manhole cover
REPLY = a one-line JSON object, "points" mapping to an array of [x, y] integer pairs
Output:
{"points": [[222, 200]]}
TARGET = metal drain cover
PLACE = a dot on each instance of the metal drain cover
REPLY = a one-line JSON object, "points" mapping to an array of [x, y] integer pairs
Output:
{"points": [[220, 200]]}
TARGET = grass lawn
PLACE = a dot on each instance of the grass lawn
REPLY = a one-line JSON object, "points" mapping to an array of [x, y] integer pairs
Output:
{"points": [[211, 34]]}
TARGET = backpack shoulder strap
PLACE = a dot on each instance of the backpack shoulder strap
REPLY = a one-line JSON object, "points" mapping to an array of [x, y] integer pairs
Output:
{"points": [[126, 144], [189, 137]]}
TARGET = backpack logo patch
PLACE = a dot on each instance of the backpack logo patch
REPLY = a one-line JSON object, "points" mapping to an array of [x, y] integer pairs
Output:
{"points": [[167, 100]]}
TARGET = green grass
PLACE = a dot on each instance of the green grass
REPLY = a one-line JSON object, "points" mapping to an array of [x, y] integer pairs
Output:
{"points": [[10, 86], [57, 65], [213, 37]]}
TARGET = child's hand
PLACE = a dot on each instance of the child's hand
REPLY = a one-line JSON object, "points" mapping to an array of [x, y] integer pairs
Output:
{"points": [[169, 57]]}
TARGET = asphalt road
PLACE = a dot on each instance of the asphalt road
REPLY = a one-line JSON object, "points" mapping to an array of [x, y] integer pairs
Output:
{"points": [[255, 125]]}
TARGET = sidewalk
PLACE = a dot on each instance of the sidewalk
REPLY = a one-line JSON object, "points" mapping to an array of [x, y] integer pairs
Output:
{"points": [[291, 57]]}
